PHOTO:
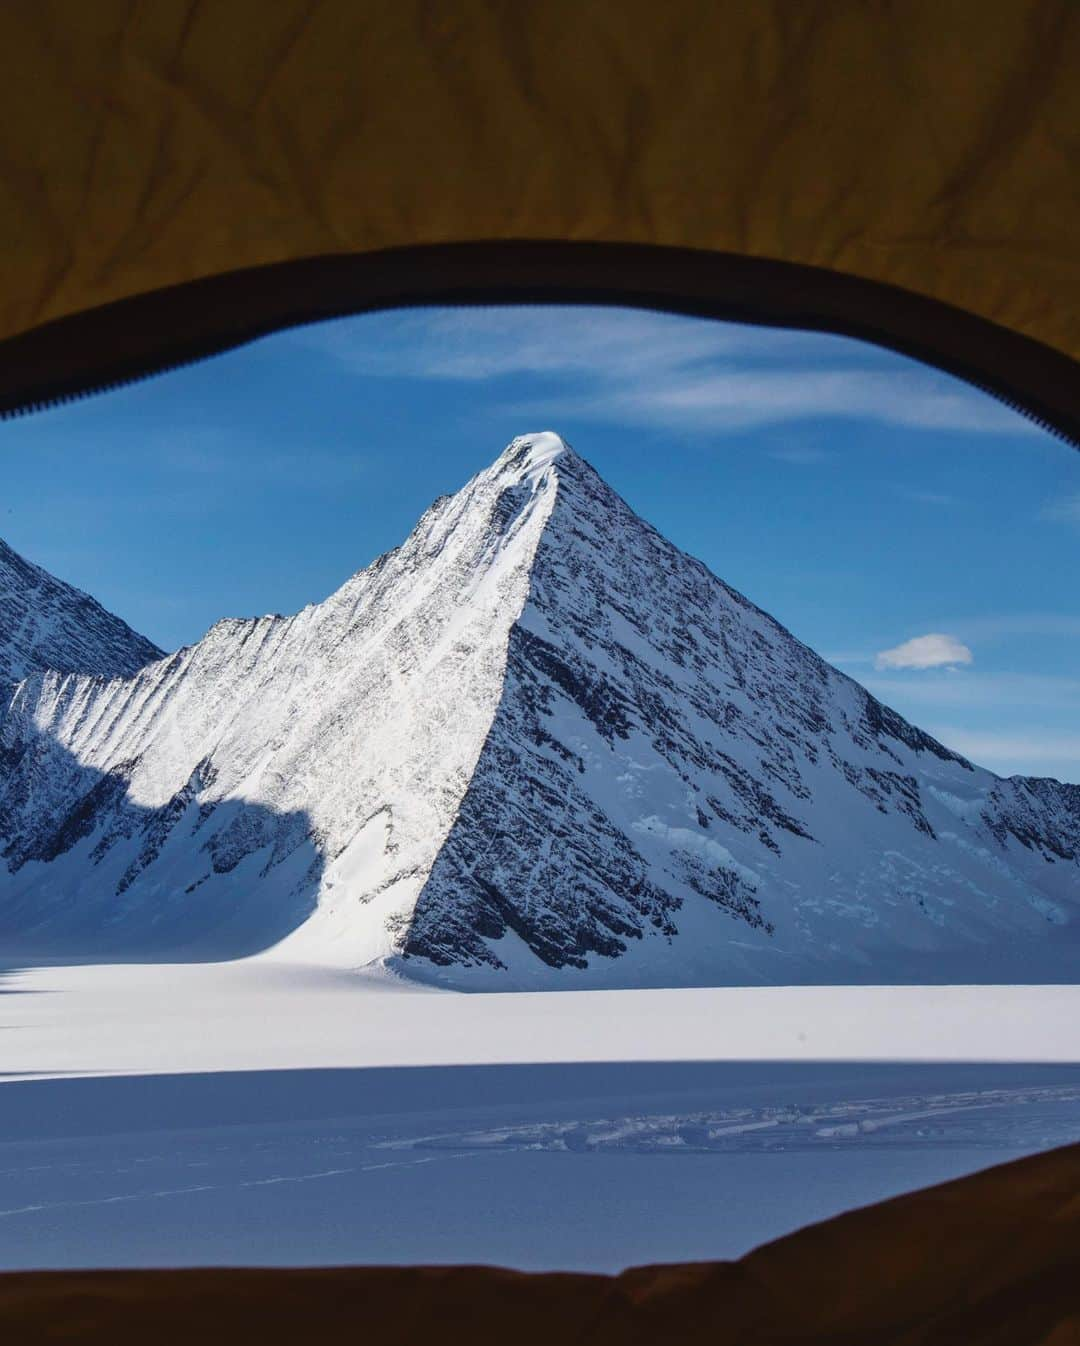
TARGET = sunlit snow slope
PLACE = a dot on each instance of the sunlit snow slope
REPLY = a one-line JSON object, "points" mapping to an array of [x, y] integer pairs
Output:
{"points": [[535, 746]]}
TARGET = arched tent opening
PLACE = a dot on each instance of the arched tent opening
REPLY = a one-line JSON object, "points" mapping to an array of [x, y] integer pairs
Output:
{"points": [[180, 178]]}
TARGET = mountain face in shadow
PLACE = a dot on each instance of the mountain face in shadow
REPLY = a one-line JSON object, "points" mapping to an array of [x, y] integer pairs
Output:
{"points": [[90, 872], [534, 746]]}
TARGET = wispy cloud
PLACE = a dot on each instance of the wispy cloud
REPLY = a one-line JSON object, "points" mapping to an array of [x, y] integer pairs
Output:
{"points": [[633, 367], [803, 455], [1013, 723], [213, 454], [847, 658], [1016, 752], [201, 458], [938, 498], [743, 398], [486, 343], [1056, 625], [934, 650], [979, 691], [1065, 510]]}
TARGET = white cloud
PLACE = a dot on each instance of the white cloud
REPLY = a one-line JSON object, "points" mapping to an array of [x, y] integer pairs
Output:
{"points": [[635, 367], [930, 651], [482, 343], [926, 497], [1065, 510], [805, 455], [226, 456], [1013, 723], [1056, 625], [1033, 752], [742, 398], [978, 691]]}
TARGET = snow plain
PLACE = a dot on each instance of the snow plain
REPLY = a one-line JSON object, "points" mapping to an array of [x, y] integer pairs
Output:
{"points": [[260, 1113]]}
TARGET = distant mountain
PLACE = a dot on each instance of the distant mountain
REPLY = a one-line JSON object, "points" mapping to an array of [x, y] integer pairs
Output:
{"points": [[45, 623], [535, 746]]}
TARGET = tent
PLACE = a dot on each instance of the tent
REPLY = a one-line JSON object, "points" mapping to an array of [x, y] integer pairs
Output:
{"points": [[179, 177]]}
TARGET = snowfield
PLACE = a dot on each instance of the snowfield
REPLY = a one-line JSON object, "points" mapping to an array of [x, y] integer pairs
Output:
{"points": [[260, 1014], [262, 1113]]}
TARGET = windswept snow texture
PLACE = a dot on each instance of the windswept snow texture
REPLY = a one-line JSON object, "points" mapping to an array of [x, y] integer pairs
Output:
{"points": [[536, 746], [255, 1112], [45, 623]]}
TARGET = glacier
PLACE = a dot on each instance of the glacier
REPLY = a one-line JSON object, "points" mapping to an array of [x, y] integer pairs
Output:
{"points": [[535, 747]]}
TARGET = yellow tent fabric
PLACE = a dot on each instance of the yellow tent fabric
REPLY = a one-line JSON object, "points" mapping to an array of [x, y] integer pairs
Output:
{"points": [[905, 170]]}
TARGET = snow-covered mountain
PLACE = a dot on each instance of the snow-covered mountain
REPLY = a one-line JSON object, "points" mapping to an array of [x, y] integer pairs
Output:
{"points": [[536, 745], [45, 623]]}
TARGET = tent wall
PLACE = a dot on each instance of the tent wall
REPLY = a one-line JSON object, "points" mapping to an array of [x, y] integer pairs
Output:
{"points": [[927, 149]]}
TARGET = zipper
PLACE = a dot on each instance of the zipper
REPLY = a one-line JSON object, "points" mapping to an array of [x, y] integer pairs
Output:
{"points": [[1007, 400], [126, 342], [47, 403]]}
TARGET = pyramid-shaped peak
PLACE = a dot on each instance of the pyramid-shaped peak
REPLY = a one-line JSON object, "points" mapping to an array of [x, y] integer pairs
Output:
{"points": [[535, 746]]}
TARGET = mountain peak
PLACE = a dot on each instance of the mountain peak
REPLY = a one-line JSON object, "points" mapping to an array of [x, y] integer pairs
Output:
{"points": [[527, 457], [535, 745]]}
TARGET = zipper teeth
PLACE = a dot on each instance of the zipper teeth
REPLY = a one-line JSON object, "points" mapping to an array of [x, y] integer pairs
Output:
{"points": [[1048, 426], [105, 386], [185, 362]]}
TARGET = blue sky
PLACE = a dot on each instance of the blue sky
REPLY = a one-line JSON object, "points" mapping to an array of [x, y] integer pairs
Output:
{"points": [[914, 531]]}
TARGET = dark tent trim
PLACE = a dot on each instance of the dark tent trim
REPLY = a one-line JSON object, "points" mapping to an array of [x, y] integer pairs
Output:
{"points": [[150, 333], [993, 1259]]}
